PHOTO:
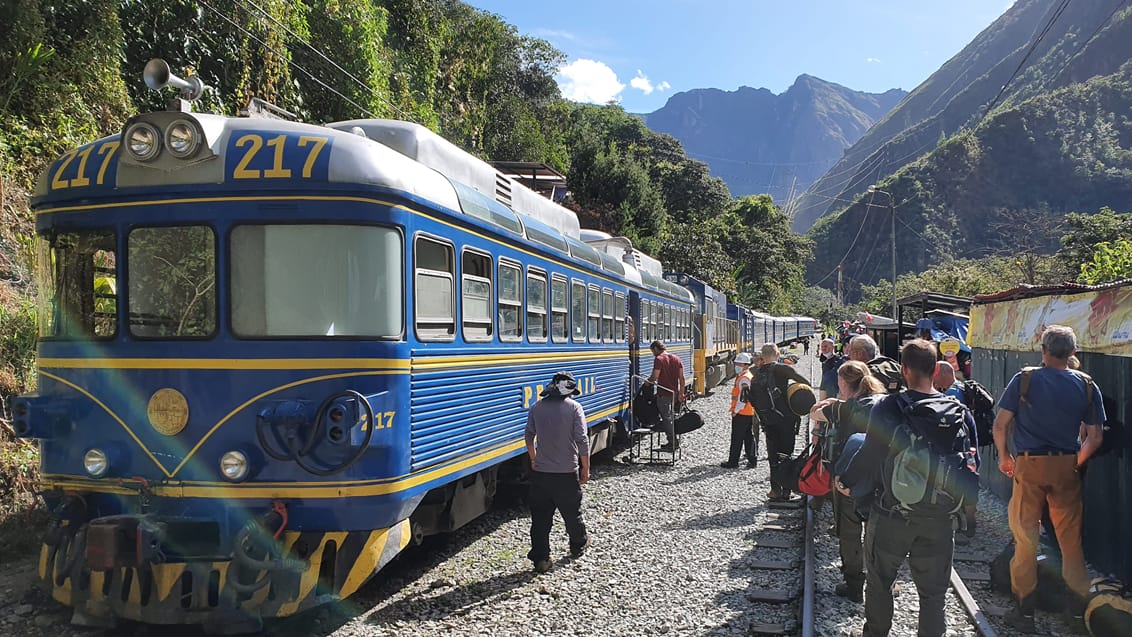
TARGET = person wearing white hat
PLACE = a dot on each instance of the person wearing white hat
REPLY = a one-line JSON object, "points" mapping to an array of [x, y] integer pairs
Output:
{"points": [[742, 415]]}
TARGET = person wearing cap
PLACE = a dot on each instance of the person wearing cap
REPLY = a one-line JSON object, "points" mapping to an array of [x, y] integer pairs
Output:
{"points": [[558, 446], [742, 415], [780, 425], [668, 376]]}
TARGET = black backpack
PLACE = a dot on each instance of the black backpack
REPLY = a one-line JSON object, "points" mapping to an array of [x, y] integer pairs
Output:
{"points": [[767, 397], [981, 403], [927, 470], [888, 372]]}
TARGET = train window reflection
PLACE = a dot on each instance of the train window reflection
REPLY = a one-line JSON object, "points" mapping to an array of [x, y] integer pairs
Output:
{"points": [[434, 295], [559, 308], [594, 322], [536, 306], [79, 298], [510, 302], [316, 280], [578, 311], [475, 293], [172, 282], [607, 315], [619, 318]]}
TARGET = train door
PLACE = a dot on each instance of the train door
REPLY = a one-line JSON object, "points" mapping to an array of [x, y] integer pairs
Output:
{"points": [[635, 328]]}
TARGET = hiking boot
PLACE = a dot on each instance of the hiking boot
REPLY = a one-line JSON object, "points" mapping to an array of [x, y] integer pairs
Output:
{"points": [[752, 464], [850, 592], [1021, 617], [580, 550], [775, 494], [542, 566], [729, 465], [669, 446]]}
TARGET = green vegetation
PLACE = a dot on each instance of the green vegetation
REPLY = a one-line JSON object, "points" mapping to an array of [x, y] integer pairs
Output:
{"points": [[71, 73], [1001, 189]]}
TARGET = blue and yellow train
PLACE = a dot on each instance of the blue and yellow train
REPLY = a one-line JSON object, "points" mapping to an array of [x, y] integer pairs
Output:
{"points": [[274, 354]]}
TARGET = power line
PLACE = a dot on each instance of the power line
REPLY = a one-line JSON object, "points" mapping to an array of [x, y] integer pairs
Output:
{"points": [[1093, 35], [1033, 45], [329, 61], [864, 222], [286, 59]]}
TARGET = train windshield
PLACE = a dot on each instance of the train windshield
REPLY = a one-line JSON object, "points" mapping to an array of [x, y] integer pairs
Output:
{"points": [[317, 281], [172, 284], [79, 285]]}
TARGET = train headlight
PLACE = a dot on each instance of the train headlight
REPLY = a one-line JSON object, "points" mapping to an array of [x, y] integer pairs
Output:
{"points": [[182, 139], [96, 463], [143, 141], [234, 465]]}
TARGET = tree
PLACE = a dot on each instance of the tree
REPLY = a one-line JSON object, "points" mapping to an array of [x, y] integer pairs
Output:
{"points": [[1110, 262], [1087, 231]]}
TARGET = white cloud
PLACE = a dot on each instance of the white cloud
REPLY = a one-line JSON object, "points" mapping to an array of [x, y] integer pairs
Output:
{"points": [[589, 81], [641, 83], [872, 60]]}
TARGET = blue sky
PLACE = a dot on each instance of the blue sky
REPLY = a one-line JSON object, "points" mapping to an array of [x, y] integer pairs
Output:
{"points": [[640, 52]]}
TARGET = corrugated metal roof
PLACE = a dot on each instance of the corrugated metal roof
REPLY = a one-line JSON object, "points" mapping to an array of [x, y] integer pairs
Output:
{"points": [[1030, 291]]}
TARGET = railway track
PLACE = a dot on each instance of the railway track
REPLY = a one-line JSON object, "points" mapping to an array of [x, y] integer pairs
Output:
{"points": [[795, 602]]}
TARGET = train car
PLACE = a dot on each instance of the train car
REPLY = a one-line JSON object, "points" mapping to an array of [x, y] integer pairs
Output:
{"points": [[273, 354], [709, 333], [808, 327], [746, 324], [762, 329]]}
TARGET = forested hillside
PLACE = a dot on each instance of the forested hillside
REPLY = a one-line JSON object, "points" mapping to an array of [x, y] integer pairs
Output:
{"points": [[70, 72], [759, 142], [1085, 39], [968, 186]]}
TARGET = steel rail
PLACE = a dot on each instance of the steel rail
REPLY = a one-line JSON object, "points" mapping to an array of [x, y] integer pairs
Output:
{"points": [[808, 574], [982, 626]]}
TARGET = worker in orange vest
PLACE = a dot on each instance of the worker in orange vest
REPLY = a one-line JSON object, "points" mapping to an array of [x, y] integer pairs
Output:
{"points": [[742, 416]]}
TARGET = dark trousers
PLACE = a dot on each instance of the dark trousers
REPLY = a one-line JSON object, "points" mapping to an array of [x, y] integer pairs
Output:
{"points": [[742, 439], [779, 441], [848, 525], [550, 491], [927, 544]]}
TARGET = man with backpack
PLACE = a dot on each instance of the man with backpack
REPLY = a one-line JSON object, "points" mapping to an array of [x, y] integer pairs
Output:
{"points": [[1043, 412], [780, 424], [863, 348], [918, 442]]}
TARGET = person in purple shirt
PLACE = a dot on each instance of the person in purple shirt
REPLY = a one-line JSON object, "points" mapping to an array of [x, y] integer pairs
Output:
{"points": [[558, 446]]}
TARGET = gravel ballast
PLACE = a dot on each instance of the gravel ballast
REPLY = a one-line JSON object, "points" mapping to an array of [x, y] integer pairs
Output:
{"points": [[672, 554]]}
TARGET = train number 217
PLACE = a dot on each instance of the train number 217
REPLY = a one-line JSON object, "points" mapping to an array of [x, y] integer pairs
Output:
{"points": [[284, 156]]}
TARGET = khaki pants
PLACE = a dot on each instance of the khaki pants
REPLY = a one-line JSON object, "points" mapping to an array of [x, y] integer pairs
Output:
{"points": [[1038, 480]]}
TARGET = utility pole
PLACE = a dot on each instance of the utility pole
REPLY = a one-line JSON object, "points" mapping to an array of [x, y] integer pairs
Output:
{"points": [[892, 210], [840, 286]]}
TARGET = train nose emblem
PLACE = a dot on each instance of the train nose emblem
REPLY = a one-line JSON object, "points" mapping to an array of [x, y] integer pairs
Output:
{"points": [[168, 411]]}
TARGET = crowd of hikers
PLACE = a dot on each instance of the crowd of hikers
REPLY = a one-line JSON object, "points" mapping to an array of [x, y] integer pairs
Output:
{"points": [[894, 446], [901, 443]]}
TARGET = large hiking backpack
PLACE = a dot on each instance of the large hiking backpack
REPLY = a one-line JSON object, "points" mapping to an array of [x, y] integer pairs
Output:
{"points": [[767, 396], [981, 403], [888, 372], [918, 475]]}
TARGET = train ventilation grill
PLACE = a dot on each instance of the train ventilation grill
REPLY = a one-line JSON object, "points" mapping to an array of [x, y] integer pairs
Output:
{"points": [[503, 189]]}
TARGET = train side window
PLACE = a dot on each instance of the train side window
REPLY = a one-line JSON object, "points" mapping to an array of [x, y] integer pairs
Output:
{"points": [[606, 315], [668, 333], [619, 317], [475, 295], [172, 290], [82, 286], [646, 319], [510, 302], [536, 306], [594, 322], [559, 309], [435, 294], [578, 311]]}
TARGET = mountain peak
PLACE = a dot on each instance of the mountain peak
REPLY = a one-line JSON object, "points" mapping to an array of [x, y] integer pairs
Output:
{"points": [[759, 142]]}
